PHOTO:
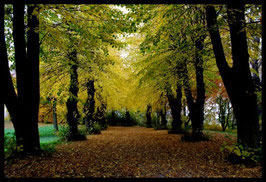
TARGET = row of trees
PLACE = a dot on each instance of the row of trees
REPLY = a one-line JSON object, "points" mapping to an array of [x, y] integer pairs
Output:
{"points": [[66, 45], [178, 58], [170, 58]]}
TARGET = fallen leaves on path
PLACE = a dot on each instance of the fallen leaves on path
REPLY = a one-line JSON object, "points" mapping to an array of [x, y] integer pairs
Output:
{"points": [[133, 152]]}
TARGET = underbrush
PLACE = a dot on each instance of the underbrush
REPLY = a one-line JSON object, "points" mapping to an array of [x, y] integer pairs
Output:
{"points": [[64, 134], [120, 118], [237, 154], [48, 141]]}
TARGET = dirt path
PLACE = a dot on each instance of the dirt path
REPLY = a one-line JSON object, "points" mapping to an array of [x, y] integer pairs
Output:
{"points": [[133, 152]]}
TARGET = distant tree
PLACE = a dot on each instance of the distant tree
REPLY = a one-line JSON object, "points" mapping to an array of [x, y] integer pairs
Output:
{"points": [[89, 106], [148, 116]]}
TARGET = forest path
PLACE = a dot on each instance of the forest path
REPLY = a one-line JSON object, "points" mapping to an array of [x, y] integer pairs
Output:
{"points": [[133, 152]]}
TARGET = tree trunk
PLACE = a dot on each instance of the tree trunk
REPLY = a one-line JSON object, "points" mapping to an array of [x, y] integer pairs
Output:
{"points": [[196, 108], [101, 111], [101, 116], [33, 87], [148, 116], [163, 118], [3, 55], [237, 80], [21, 70], [10, 97], [55, 115], [113, 122], [72, 110], [127, 118], [255, 76], [89, 106], [27, 72], [176, 108], [2, 129]]}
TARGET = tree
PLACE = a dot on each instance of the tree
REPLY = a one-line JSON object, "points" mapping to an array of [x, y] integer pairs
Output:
{"points": [[128, 119], [237, 79], [176, 107], [3, 55], [224, 113], [24, 107], [54, 101], [90, 104], [72, 110], [162, 114], [93, 34], [148, 116]]}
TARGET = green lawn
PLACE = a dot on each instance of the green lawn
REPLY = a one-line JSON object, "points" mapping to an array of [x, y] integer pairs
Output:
{"points": [[48, 138], [225, 133]]}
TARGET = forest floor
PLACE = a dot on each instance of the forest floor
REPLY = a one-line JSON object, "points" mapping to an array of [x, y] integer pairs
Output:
{"points": [[134, 152]]}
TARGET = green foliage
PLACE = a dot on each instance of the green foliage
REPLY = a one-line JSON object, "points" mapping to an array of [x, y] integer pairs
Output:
{"points": [[187, 128], [238, 154], [118, 118], [11, 146], [104, 126], [50, 146], [64, 133], [95, 129], [213, 127]]}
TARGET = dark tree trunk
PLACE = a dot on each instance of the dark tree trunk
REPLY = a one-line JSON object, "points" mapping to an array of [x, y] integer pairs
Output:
{"points": [[222, 103], [2, 130], [184, 110], [255, 76], [27, 72], [127, 118], [101, 110], [33, 87], [237, 80], [176, 107], [72, 110], [162, 114], [148, 116], [196, 108], [9, 95], [21, 70], [3, 55], [233, 126], [55, 115], [89, 106], [113, 122], [101, 116]]}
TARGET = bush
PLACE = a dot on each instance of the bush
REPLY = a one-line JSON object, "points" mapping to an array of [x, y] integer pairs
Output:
{"points": [[141, 123], [118, 118], [213, 127], [49, 146], [65, 135], [11, 146], [95, 129], [104, 126], [239, 155]]}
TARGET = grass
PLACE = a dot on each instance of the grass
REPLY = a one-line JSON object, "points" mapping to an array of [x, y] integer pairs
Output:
{"points": [[48, 137]]}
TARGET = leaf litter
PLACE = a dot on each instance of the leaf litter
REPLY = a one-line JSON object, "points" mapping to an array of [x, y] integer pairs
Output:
{"points": [[133, 152]]}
